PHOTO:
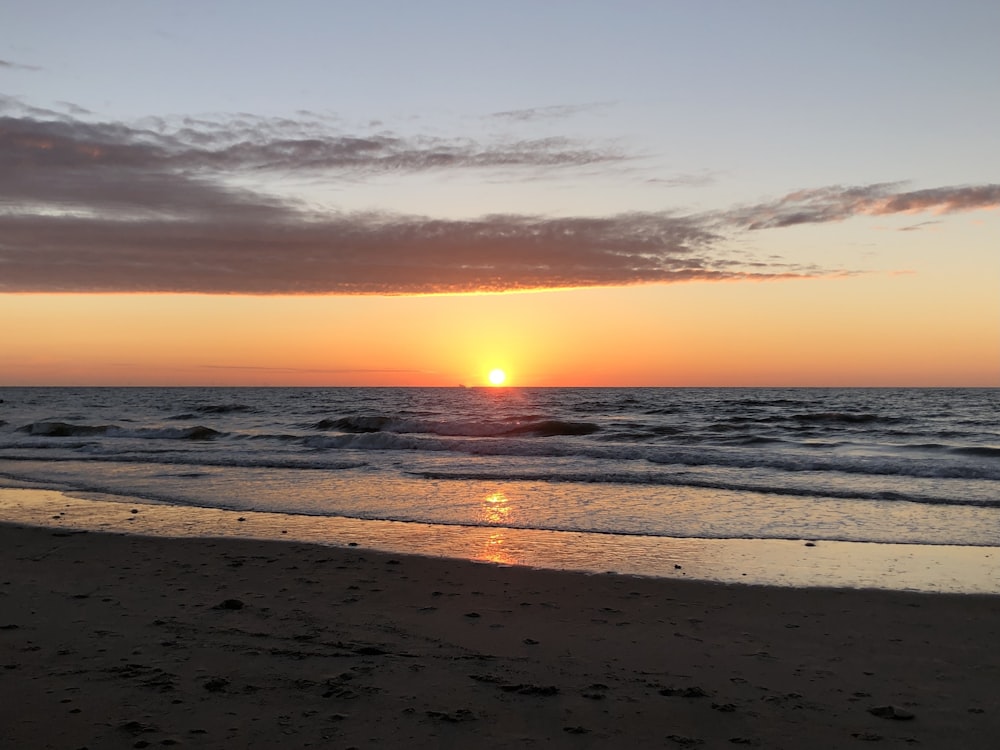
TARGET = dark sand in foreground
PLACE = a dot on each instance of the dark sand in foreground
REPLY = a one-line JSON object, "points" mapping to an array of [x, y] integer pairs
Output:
{"points": [[120, 642]]}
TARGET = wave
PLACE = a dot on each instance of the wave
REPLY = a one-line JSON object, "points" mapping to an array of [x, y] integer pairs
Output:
{"points": [[192, 433], [514, 427], [374, 441], [756, 440], [553, 428], [68, 429], [213, 410], [199, 460], [661, 479], [355, 424], [842, 417], [810, 418], [877, 465], [223, 408], [740, 458], [984, 451], [760, 403], [556, 438], [63, 429], [978, 450]]}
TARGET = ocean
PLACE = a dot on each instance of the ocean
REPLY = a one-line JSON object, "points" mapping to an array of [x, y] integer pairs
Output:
{"points": [[759, 483]]}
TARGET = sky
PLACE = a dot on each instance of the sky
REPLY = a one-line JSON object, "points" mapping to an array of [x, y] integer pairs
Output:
{"points": [[579, 193]]}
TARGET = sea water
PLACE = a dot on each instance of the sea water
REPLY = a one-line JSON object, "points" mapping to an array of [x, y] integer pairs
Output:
{"points": [[620, 478]]}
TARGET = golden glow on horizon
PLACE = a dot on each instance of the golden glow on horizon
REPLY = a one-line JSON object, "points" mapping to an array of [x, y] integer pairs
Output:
{"points": [[497, 377], [782, 334]]}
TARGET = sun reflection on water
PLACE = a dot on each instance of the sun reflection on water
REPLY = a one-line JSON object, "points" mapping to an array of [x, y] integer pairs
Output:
{"points": [[496, 511]]}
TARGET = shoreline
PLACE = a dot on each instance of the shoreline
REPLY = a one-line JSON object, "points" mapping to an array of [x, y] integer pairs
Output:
{"points": [[110, 640], [766, 562]]}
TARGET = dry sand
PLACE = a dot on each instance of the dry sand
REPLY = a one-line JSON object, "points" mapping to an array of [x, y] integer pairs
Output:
{"points": [[118, 642]]}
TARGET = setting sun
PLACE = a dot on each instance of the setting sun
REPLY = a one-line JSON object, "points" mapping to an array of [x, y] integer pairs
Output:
{"points": [[497, 377]]}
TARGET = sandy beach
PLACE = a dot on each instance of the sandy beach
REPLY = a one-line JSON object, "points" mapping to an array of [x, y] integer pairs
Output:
{"points": [[111, 641]]}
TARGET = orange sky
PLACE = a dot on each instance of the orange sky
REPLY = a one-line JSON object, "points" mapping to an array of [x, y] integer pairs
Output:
{"points": [[864, 330]]}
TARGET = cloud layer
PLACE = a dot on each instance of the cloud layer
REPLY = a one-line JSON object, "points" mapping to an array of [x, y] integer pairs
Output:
{"points": [[277, 253], [159, 207], [840, 203]]}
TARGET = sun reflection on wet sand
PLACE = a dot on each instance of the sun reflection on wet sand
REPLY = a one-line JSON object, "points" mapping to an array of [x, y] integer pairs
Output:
{"points": [[495, 552]]}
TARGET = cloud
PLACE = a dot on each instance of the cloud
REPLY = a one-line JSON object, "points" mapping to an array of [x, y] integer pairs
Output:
{"points": [[703, 178], [171, 169], [289, 253], [74, 109], [248, 144], [551, 112], [918, 226], [17, 66], [322, 370], [161, 206], [839, 203]]}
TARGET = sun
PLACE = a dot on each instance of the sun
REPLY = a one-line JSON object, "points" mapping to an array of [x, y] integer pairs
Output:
{"points": [[497, 377]]}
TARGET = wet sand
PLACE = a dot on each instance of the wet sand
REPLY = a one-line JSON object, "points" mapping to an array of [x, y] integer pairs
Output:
{"points": [[111, 641]]}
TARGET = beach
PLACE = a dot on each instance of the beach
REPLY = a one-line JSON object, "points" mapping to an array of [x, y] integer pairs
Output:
{"points": [[499, 375], [126, 641]]}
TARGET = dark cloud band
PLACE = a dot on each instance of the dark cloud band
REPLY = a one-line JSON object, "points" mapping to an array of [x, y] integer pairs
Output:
{"points": [[111, 207], [354, 254]]}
